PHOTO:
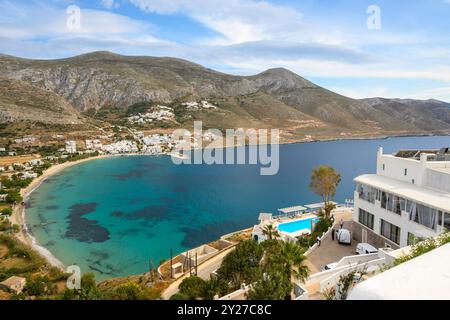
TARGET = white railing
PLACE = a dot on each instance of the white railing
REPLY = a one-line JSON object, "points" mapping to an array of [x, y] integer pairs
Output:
{"points": [[369, 266], [345, 261]]}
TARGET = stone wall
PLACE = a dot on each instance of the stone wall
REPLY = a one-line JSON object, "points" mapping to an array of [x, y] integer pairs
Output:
{"points": [[372, 238]]}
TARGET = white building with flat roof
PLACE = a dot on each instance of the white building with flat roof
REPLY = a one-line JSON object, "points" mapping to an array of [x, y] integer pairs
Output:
{"points": [[408, 198], [426, 277], [71, 147]]}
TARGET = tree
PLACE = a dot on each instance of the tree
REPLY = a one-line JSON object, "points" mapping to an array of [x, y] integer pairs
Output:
{"points": [[270, 232], [286, 256], [89, 290], [292, 257], [13, 196], [273, 286], [40, 286], [324, 182], [192, 287], [129, 291], [7, 211], [242, 265], [214, 287], [179, 296]]}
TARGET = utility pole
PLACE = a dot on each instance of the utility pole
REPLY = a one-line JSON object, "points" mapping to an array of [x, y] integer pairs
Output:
{"points": [[196, 270], [190, 263], [171, 264]]}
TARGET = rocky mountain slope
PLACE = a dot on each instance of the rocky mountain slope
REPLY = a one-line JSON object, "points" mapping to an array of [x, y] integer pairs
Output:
{"points": [[274, 98], [20, 101]]}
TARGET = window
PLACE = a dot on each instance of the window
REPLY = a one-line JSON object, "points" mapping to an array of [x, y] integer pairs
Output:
{"points": [[406, 172], [384, 199], [446, 222], [392, 203], [390, 231], [367, 193], [384, 166], [366, 218], [423, 215]]}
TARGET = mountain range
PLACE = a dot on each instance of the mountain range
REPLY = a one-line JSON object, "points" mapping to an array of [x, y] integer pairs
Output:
{"points": [[67, 91]]}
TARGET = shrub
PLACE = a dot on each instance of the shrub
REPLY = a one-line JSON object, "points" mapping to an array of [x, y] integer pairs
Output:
{"points": [[323, 225], [40, 286], [7, 211], [192, 287], [424, 246], [128, 291], [14, 196], [242, 265], [179, 296]]}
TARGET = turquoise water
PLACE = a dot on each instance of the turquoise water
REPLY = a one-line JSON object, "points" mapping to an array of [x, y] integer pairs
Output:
{"points": [[295, 226], [113, 216]]}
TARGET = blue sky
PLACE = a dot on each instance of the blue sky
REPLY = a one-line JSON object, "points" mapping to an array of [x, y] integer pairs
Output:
{"points": [[325, 41]]}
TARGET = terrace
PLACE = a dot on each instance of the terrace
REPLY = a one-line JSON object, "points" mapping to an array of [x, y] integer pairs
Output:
{"points": [[291, 222]]}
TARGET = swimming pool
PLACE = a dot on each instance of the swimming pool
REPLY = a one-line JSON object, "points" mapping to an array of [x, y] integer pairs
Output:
{"points": [[291, 227]]}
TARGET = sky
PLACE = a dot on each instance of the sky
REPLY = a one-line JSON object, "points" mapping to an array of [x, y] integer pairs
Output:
{"points": [[359, 48]]}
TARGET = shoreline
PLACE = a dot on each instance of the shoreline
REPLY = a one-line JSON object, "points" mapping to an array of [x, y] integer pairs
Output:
{"points": [[19, 211], [19, 215]]}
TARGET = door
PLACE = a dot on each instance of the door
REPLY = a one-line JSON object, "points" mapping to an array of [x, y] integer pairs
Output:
{"points": [[364, 236]]}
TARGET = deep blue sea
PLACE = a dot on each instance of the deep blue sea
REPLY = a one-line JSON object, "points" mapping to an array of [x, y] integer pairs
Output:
{"points": [[113, 216]]}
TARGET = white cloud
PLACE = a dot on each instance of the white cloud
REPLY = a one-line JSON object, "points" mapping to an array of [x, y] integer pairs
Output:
{"points": [[110, 4], [440, 93], [27, 22], [250, 36], [237, 21]]}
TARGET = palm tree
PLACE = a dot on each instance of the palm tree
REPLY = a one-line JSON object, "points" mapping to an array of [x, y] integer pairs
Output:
{"points": [[271, 232], [283, 262], [292, 258]]}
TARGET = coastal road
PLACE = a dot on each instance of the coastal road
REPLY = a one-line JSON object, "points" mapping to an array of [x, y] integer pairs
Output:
{"points": [[204, 271]]}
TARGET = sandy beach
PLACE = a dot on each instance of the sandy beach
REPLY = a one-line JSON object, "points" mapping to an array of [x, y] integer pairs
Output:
{"points": [[18, 217]]}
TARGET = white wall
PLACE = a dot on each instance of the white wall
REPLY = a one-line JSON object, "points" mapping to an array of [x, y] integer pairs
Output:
{"points": [[395, 168], [438, 180]]}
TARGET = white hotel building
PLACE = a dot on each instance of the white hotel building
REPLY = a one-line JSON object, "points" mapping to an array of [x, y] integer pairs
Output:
{"points": [[407, 198]]}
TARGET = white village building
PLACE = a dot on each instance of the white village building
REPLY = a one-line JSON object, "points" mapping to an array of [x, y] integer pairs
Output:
{"points": [[71, 147], [407, 199]]}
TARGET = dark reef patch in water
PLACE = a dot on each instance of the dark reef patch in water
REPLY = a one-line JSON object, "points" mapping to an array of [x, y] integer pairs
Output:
{"points": [[99, 255], [82, 229], [128, 175], [149, 213], [134, 201], [210, 232], [50, 197], [180, 189], [52, 207], [117, 214], [165, 199], [98, 262]]}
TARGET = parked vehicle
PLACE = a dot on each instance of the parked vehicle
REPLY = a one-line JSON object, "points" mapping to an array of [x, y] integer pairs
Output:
{"points": [[344, 236], [365, 248], [329, 266]]}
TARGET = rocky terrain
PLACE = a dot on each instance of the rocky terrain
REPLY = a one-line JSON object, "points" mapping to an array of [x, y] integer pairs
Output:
{"points": [[57, 91], [20, 101]]}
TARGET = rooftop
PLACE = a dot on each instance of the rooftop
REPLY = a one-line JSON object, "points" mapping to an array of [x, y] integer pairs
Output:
{"points": [[293, 209], [425, 196], [426, 277], [442, 154]]}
